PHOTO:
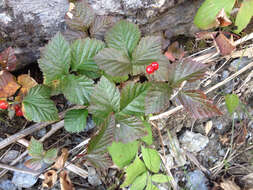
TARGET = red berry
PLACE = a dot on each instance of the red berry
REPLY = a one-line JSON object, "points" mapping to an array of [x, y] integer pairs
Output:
{"points": [[19, 112], [150, 69], [4, 104], [155, 65], [16, 107]]}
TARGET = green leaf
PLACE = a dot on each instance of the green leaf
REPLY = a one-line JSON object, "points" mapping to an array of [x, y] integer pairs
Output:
{"points": [[35, 149], [129, 128], [75, 120], [77, 89], [133, 171], [50, 156], [83, 52], [123, 154], [97, 147], [148, 138], [186, 70], [197, 104], [148, 51], [100, 25], [113, 62], [82, 16], [117, 79], [105, 99], [37, 105], [158, 97], [132, 100], [55, 59], [123, 36], [232, 102], [160, 178], [140, 182], [206, 15], [244, 15], [151, 159]]}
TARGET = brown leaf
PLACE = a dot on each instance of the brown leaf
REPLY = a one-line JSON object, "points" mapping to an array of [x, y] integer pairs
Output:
{"points": [[222, 19], [223, 44], [26, 82], [242, 135], [205, 35], [8, 84], [8, 59], [50, 179], [229, 185], [174, 52], [59, 164], [34, 163], [65, 181]]}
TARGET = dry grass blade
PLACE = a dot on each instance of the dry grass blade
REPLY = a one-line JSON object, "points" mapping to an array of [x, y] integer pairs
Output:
{"points": [[65, 181]]}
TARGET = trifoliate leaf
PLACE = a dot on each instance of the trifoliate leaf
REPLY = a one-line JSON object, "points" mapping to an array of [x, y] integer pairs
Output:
{"points": [[151, 159], [83, 52], [113, 62], [37, 105], [123, 154], [133, 171], [147, 51], [123, 36], [105, 99], [77, 89], [35, 149], [55, 59], [75, 120]]}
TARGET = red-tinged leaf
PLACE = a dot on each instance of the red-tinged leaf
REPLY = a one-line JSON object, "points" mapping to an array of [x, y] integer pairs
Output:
{"points": [[8, 59], [205, 35], [222, 19], [8, 84], [34, 163], [186, 70], [72, 35], [224, 45], [97, 147], [174, 52], [197, 104]]}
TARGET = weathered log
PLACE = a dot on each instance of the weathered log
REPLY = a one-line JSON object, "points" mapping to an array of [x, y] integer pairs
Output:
{"points": [[27, 25]]}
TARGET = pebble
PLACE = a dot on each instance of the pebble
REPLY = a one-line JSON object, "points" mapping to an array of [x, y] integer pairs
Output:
{"points": [[224, 75], [196, 180], [41, 132], [7, 185], [93, 178], [239, 63], [193, 142], [10, 156], [89, 124]]}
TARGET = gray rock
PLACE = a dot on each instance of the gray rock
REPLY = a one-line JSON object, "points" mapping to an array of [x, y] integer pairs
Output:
{"points": [[10, 156], [224, 75], [193, 142], [239, 63], [93, 177], [41, 132], [89, 124], [7, 185], [23, 180], [196, 180]]}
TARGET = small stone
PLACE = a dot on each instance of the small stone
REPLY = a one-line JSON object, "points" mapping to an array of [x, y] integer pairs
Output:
{"points": [[224, 75], [193, 142], [239, 63], [196, 180], [89, 124], [41, 132], [10, 156], [7, 185], [93, 178]]}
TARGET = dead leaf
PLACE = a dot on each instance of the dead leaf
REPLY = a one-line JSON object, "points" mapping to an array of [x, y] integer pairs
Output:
{"points": [[222, 19], [8, 59], [65, 181], [174, 52], [229, 185], [248, 52], [208, 127], [50, 179], [8, 84], [242, 135], [26, 82], [223, 44], [205, 35], [34, 164], [59, 164]]}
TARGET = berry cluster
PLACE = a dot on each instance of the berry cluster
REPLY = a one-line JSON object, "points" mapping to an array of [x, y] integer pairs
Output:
{"points": [[152, 67], [4, 105]]}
